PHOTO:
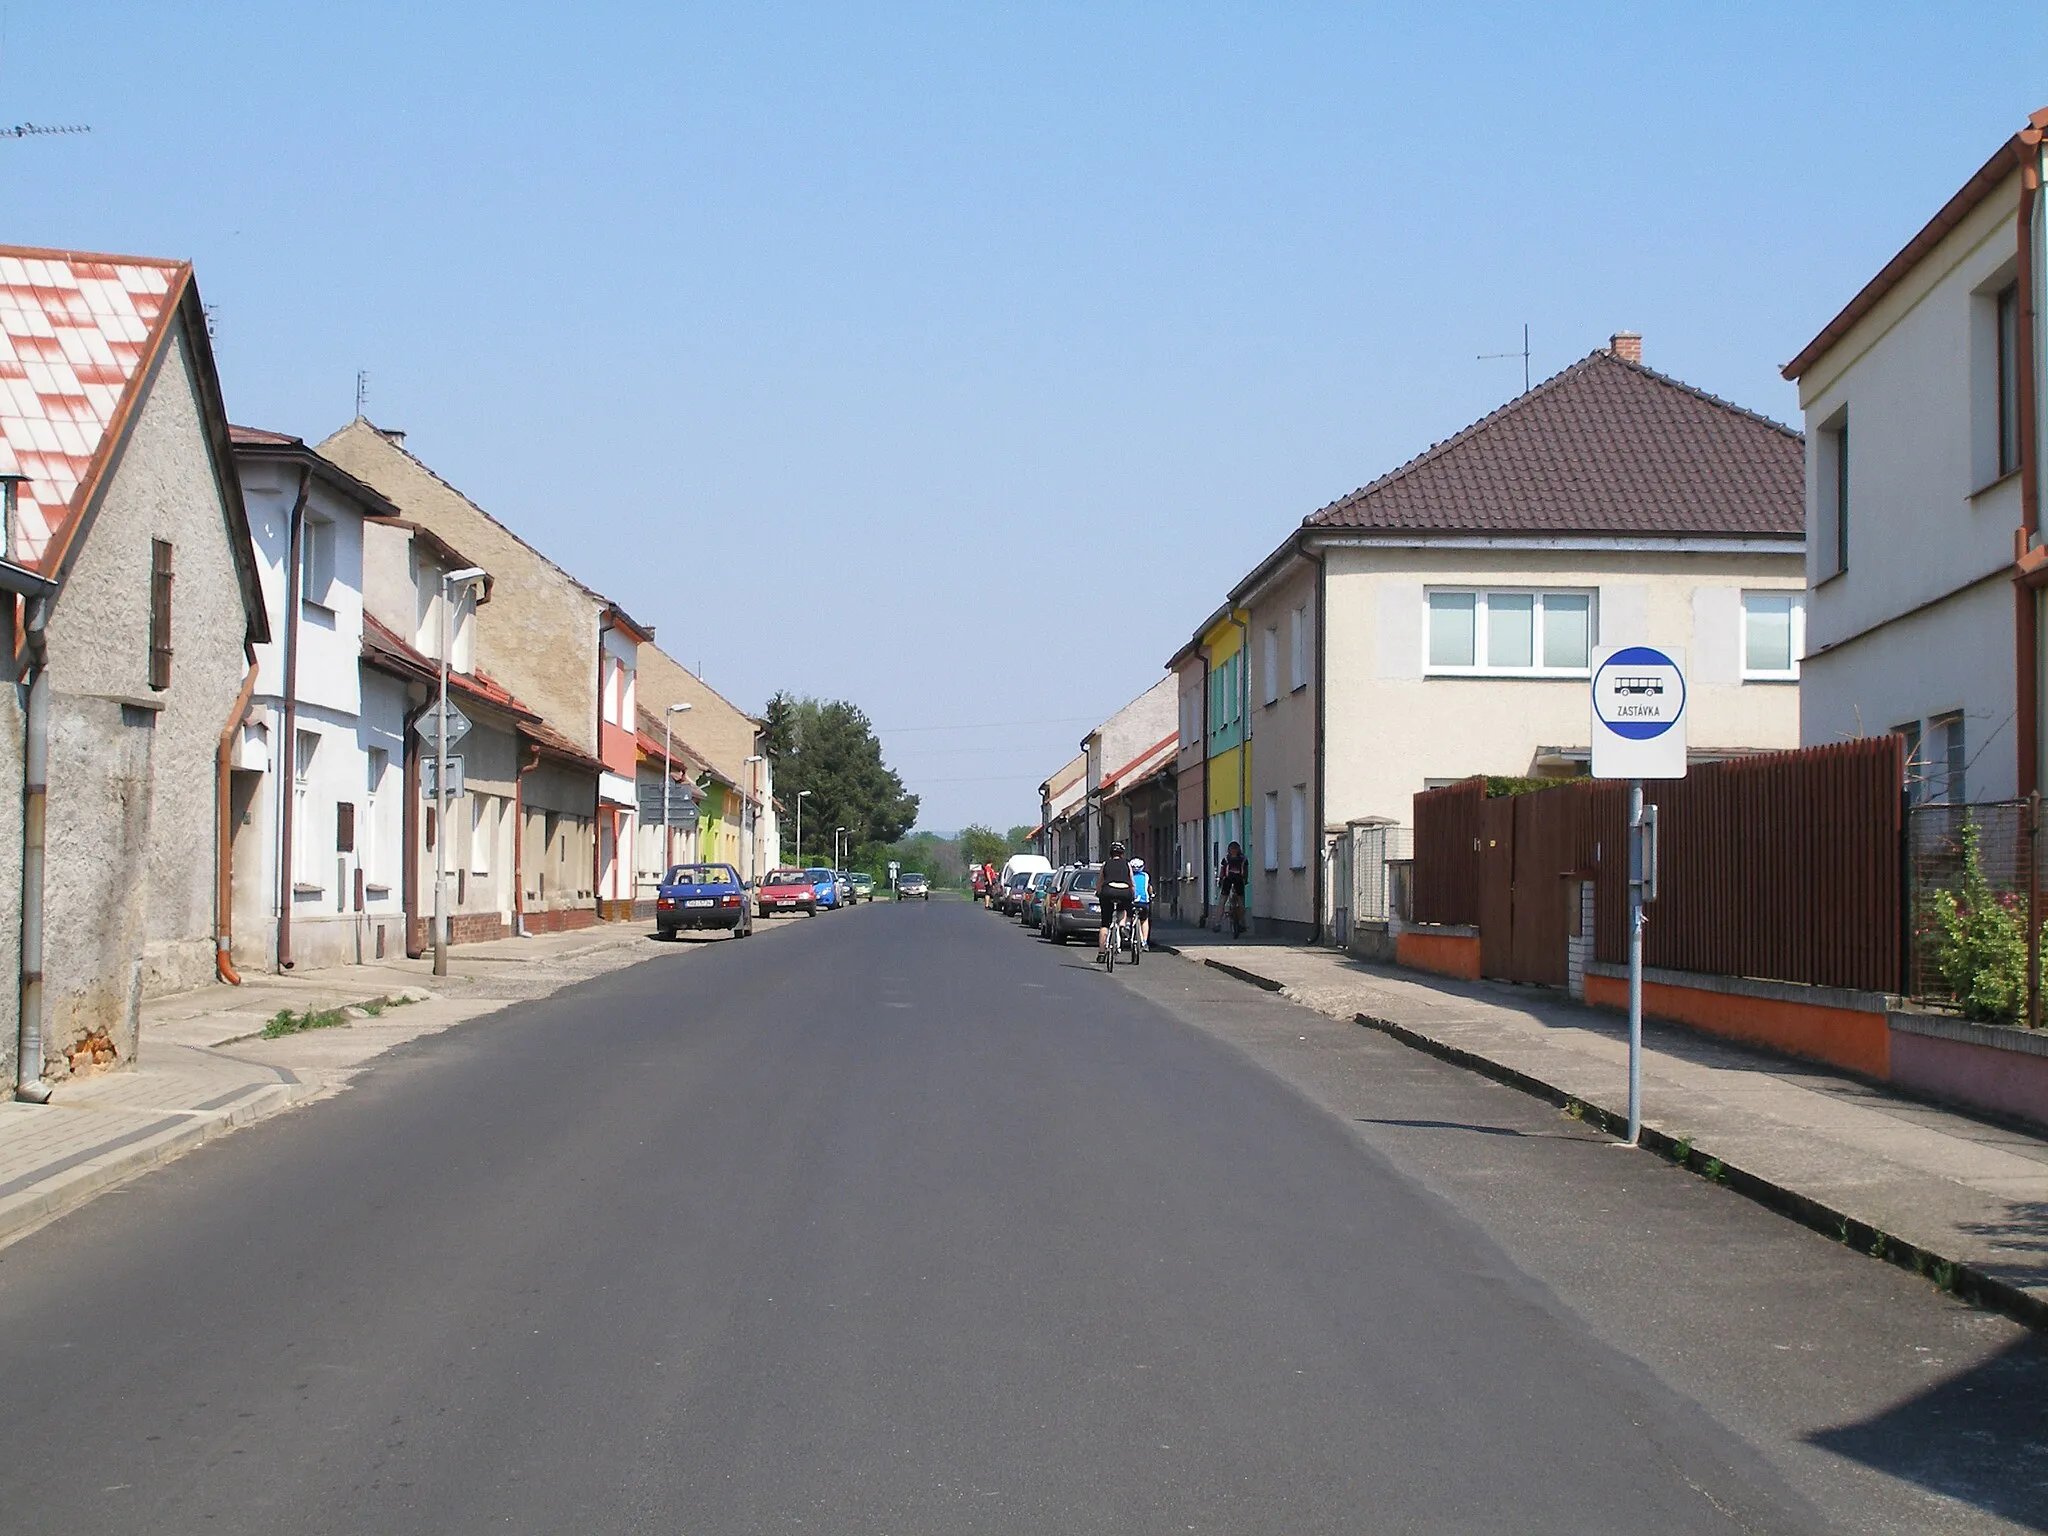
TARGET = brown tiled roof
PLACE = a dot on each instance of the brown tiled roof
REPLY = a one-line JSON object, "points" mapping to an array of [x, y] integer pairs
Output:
{"points": [[1607, 447]]}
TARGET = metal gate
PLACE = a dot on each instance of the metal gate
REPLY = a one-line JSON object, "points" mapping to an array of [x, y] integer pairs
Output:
{"points": [[1530, 861]]}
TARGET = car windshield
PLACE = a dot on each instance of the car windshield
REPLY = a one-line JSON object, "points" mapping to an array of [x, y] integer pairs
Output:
{"points": [[1084, 879], [815, 874], [902, 880], [699, 874], [787, 877], [1039, 881]]}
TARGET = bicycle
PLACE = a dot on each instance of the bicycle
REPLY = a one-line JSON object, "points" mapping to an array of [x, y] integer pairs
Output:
{"points": [[1123, 936], [1233, 908]]}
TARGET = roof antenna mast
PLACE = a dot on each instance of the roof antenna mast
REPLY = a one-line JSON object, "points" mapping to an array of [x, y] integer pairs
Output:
{"points": [[362, 390], [1488, 357], [32, 130]]}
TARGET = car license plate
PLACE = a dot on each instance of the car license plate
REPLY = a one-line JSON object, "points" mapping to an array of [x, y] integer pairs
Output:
{"points": [[707, 902]]}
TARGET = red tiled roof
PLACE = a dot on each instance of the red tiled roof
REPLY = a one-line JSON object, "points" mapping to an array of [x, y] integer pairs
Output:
{"points": [[381, 644], [555, 744], [75, 332], [1607, 447]]}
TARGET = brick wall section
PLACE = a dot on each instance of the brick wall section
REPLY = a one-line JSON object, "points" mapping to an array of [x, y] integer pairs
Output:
{"points": [[561, 921], [463, 928]]}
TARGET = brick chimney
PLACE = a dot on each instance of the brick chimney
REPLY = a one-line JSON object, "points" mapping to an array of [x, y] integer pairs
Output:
{"points": [[1626, 345]]}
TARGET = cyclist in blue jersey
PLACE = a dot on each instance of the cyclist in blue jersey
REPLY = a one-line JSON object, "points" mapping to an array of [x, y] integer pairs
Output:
{"points": [[1141, 901]]}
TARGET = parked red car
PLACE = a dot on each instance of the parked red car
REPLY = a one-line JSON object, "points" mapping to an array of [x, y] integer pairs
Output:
{"points": [[787, 890]]}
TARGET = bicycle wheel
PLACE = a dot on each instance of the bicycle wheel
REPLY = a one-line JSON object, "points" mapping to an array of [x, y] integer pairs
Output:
{"points": [[1137, 944], [1109, 954]]}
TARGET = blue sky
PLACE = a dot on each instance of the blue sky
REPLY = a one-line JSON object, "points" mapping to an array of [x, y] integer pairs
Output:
{"points": [[956, 359]]}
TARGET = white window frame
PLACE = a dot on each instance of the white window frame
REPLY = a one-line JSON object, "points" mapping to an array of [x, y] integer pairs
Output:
{"points": [[1297, 642], [1297, 827], [1271, 841], [316, 561], [483, 831], [305, 750], [1482, 597], [376, 763], [1798, 617], [1272, 679]]}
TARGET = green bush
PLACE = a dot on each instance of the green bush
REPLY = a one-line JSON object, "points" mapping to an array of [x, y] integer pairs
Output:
{"points": [[1978, 941]]}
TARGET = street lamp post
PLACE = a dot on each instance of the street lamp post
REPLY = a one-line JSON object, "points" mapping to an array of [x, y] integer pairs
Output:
{"points": [[836, 831], [466, 579], [668, 846], [754, 841], [801, 796]]}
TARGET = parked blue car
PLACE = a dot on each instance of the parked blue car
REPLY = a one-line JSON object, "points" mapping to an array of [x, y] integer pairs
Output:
{"points": [[826, 883], [703, 896]]}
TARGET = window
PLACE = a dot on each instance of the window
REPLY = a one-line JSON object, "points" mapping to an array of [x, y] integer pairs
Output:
{"points": [[1297, 827], [1297, 649], [1271, 840], [1773, 634], [1272, 639], [316, 560], [1832, 489], [2008, 320], [159, 614], [1544, 634], [303, 836], [378, 760], [483, 830], [1945, 760], [1916, 767]]}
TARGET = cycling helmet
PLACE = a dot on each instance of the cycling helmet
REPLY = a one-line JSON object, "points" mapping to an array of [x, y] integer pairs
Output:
{"points": [[1116, 848], [1137, 863]]}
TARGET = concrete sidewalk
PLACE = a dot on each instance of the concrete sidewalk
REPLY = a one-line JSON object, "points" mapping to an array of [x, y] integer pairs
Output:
{"points": [[1959, 1199], [203, 1066]]}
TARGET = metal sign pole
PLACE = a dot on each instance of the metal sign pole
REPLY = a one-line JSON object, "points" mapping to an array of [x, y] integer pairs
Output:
{"points": [[1638, 877]]}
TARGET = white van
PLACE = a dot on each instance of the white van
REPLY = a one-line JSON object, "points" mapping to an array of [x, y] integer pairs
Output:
{"points": [[1023, 864]]}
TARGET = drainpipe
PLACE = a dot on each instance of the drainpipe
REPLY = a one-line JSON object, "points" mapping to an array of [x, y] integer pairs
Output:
{"points": [[2026, 641], [288, 748], [409, 855], [519, 773], [224, 837], [1202, 828], [35, 784]]}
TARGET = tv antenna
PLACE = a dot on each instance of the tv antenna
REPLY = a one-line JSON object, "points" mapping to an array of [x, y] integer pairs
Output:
{"points": [[37, 130], [362, 390], [1489, 357]]}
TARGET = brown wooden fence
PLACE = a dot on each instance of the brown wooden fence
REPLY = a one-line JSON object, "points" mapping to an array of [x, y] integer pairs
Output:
{"points": [[1783, 866], [1447, 853]]}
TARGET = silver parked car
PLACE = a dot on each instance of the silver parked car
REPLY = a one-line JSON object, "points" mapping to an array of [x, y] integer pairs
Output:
{"points": [[1072, 908]]}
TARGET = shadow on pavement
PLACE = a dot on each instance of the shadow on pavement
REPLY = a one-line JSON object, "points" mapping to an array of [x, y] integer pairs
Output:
{"points": [[1980, 1436]]}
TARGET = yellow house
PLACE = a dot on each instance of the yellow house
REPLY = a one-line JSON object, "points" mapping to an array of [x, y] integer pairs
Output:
{"points": [[1227, 735]]}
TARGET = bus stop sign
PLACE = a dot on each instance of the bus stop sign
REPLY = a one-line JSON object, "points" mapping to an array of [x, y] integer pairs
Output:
{"points": [[1638, 713]]}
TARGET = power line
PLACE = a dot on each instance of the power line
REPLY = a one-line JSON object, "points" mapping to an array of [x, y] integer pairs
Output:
{"points": [[990, 725]]}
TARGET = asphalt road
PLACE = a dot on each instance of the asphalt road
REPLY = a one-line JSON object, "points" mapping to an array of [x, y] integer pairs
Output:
{"points": [[887, 1221]]}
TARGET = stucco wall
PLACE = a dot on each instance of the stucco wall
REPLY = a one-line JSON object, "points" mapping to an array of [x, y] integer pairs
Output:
{"points": [[1928, 514], [718, 731], [11, 741], [129, 893], [1390, 730], [1285, 730], [538, 634]]}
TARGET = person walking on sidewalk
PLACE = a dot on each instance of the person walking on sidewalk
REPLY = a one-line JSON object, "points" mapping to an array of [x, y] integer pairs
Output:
{"points": [[1230, 883]]}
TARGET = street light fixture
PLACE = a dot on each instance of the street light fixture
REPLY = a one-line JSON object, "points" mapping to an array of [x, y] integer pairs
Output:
{"points": [[668, 847], [467, 579], [835, 848]]}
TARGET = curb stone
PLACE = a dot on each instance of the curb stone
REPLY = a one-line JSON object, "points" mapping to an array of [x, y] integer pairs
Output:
{"points": [[1958, 1277], [58, 1188]]}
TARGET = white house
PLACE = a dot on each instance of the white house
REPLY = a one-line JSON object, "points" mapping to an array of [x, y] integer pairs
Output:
{"points": [[311, 772], [1137, 737], [1924, 554], [1440, 622]]}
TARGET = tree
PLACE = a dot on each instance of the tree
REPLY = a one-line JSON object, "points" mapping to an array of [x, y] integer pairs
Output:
{"points": [[1021, 838], [830, 749], [984, 845]]}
